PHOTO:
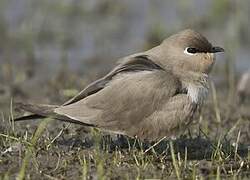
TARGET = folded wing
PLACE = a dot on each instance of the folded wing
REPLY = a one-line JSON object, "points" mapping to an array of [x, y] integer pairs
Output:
{"points": [[126, 97]]}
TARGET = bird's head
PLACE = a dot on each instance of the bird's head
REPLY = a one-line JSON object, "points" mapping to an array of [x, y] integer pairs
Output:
{"points": [[188, 50]]}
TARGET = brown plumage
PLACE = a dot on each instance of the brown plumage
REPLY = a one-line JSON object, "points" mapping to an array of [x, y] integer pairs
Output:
{"points": [[149, 95]]}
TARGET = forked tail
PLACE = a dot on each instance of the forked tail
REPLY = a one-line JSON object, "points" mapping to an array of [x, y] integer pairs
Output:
{"points": [[41, 111]]}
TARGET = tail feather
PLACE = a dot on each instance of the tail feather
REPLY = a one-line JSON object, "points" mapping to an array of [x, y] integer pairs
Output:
{"points": [[42, 111]]}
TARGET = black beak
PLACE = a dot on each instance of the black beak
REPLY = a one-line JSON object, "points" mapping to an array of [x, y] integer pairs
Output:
{"points": [[217, 49]]}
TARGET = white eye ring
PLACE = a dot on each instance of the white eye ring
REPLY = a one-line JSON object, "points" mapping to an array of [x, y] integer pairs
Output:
{"points": [[188, 53]]}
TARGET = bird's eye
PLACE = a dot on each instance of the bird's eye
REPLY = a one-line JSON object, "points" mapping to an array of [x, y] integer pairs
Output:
{"points": [[190, 50]]}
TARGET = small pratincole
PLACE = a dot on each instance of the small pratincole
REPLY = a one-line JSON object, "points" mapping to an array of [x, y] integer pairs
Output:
{"points": [[149, 95]]}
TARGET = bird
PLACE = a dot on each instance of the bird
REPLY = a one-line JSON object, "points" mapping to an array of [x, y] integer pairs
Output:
{"points": [[149, 95], [243, 87]]}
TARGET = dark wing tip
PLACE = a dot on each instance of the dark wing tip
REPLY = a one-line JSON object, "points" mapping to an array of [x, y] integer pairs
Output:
{"points": [[29, 117]]}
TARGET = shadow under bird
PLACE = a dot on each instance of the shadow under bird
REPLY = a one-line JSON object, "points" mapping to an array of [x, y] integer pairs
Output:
{"points": [[149, 95]]}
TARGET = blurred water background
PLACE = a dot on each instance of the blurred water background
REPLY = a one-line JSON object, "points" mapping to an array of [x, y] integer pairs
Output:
{"points": [[48, 39]]}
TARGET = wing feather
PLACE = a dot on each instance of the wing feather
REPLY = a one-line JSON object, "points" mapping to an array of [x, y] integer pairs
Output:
{"points": [[135, 64], [125, 101]]}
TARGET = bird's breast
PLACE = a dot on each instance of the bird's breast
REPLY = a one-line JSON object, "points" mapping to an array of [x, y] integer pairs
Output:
{"points": [[197, 93]]}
